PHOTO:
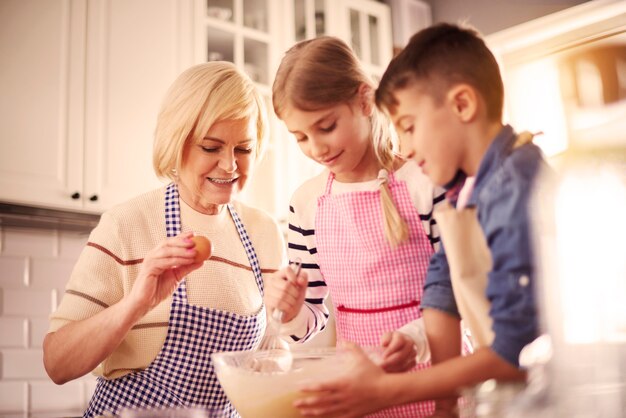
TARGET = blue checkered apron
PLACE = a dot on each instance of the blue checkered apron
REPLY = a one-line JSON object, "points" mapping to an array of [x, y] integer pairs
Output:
{"points": [[182, 373]]}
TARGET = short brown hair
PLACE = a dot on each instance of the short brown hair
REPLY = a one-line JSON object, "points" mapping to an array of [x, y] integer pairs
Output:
{"points": [[438, 57]]}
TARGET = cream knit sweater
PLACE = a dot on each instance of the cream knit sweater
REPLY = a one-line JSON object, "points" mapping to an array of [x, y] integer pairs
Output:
{"points": [[109, 264]]}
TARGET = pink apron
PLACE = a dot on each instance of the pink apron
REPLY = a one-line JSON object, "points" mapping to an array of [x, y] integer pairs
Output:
{"points": [[374, 287]]}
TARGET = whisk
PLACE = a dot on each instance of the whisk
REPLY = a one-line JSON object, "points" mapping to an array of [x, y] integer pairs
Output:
{"points": [[276, 352]]}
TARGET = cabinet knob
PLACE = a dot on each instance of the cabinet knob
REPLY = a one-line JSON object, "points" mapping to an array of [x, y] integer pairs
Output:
{"points": [[94, 198], [75, 195]]}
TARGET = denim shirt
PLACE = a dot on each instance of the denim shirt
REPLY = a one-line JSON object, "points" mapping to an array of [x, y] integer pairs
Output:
{"points": [[502, 191]]}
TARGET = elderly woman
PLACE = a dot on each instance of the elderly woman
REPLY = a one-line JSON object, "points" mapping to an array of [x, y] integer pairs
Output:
{"points": [[137, 308]]}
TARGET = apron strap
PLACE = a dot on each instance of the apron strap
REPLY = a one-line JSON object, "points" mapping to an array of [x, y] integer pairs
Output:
{"points": [[173, 228], [172, 211], [331, 178], [523, 138], [329, 183], [247, 245]]}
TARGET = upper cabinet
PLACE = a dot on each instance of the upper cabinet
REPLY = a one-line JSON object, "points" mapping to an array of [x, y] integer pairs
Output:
{"points": [[254, 34], [245, 32], [43, 83], [82, 84], [250, 34], [364, 24], [370, 34]]}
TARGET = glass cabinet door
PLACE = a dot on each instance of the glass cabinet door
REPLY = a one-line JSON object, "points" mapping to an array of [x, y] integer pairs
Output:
{"points": [[309, 19], [370, 33], [254, 34], [245, 32], [256, 64], [236, 31], [220, 9], [364, 24], [220, 45], [255, 14]]}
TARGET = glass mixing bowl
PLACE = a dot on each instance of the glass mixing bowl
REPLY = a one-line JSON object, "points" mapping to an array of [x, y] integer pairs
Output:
{"points": [[267, 394]]}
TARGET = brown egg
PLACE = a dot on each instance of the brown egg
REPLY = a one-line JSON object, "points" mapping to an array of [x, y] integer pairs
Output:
{"points": [[204, 248]]}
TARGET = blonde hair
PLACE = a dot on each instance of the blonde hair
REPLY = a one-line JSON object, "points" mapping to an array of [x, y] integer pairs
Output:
{"points": [[319, 73], [200, 97]]}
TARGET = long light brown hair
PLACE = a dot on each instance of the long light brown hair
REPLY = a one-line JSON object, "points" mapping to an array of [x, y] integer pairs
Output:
{"points": [[319, 73]]}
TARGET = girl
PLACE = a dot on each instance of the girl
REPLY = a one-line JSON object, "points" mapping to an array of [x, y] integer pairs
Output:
{"points": [[445, 93], [363, 227]]}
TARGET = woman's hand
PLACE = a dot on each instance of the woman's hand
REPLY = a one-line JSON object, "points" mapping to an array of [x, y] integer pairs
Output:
{"points": [[78, 347], [358, 392], [399, 352], [285, 291], [161, 271]]}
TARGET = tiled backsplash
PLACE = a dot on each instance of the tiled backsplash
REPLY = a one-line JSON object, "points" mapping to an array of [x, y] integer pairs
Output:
{"points": [[34, 267]]}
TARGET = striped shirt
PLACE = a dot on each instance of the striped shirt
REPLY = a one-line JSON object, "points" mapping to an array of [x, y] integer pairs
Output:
{"points": [[314, 315]]}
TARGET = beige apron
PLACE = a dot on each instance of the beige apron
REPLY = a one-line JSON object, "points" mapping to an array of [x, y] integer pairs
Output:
{"points": [[470, 261]]}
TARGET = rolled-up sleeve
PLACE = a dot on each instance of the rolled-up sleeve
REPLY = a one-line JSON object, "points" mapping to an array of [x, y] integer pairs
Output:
{"points": [[438, 292], [510, 287]]}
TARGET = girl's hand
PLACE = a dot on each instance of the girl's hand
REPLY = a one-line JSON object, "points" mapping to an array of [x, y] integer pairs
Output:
{"points": [[162, 270], [285, 291], [399, 352], [358, 392], [445, 408]]}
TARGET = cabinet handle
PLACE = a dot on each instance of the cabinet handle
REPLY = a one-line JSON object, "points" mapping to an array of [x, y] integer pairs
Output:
{"points": [[94, 198], [76, 196]]}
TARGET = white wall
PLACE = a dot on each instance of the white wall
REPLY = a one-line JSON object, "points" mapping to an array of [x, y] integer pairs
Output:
{"points": [[490, 16], [34, 267]]}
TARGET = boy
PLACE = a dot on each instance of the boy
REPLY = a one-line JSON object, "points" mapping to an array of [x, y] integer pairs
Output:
{"points": [[445, 95]]}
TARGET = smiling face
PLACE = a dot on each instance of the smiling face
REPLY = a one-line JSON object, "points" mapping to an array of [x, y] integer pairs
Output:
{"points": [[338, 137], [214, 170], [430, 133]]}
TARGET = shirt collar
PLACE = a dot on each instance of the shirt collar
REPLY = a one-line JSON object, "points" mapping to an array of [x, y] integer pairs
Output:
{"points": [[498, 148]]}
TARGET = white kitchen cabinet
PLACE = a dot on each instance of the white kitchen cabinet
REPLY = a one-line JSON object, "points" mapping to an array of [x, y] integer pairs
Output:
{"points": [[82, 82], [369, 24], [364, 24], [254, 34], [42, 82], [249, 33]]}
